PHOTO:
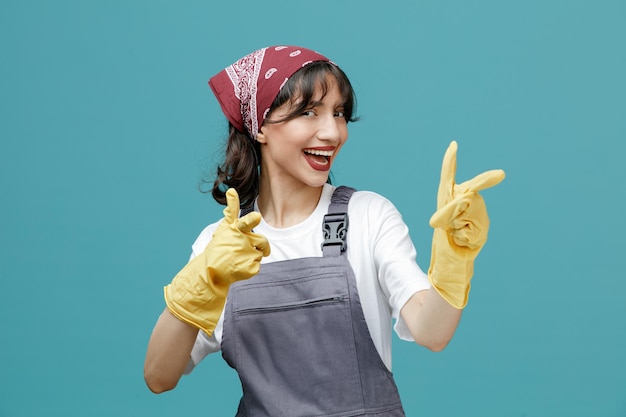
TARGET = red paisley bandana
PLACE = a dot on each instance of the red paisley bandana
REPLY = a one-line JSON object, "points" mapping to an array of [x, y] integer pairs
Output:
{"points": [[247, 88]]}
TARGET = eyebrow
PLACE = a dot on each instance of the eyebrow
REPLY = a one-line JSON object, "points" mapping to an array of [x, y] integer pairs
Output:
{"points": [[317, 103]]}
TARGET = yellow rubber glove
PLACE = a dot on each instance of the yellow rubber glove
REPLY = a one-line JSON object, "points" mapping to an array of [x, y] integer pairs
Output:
{"points": [[198, 292], [461, 225]]}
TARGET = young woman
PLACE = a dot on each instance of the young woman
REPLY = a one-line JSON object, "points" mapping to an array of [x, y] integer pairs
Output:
{"points": [[298, 285]]}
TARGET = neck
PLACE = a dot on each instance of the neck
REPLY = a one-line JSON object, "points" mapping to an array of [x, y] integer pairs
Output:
{"points": [[284, 205]]}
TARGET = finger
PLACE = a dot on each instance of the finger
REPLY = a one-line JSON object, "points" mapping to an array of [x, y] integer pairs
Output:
{"points": [[483, 181], [468, 238], [470, 229], [448, 172], [255, 267], [260, 242], [446, 214], [249, 221], [231, 211]]}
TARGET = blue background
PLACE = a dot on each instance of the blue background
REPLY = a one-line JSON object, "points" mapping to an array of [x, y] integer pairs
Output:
{"points": [[107, 126]]}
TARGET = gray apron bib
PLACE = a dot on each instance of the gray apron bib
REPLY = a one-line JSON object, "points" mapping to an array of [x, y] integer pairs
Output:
{"points": [[296, 335]]}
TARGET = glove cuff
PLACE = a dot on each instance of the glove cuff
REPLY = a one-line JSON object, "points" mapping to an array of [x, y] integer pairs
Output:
{"points": [[455, 293], [199, 310]]}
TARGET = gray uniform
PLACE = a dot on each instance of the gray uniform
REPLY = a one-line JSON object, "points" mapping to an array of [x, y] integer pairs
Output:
{"points": [[296, 335]]}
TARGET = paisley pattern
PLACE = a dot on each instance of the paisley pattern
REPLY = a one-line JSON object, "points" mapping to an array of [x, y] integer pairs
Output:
{"points": [[244, 74], [247, 88]]}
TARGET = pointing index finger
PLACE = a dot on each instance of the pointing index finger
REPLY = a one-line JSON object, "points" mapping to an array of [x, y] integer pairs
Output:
{"points": [[249, 221], [483, 181]]}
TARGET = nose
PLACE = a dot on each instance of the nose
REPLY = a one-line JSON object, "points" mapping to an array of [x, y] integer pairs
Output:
{"points": [[330, 128]]}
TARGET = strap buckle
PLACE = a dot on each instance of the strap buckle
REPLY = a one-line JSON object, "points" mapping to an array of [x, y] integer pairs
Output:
{"points": [[335, 230]]}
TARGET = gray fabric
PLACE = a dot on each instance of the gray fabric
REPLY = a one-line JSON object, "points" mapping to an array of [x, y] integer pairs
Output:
{"points": [[298, 339]]}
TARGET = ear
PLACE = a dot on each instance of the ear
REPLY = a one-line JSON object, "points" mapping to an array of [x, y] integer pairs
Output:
{"points": [[260, 137]]}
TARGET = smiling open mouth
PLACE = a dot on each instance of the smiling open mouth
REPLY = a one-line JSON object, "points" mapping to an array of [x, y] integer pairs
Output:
{"points": [[318, 159]]}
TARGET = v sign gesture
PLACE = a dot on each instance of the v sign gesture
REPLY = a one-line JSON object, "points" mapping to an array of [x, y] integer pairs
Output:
{"points": [[461, 225]]}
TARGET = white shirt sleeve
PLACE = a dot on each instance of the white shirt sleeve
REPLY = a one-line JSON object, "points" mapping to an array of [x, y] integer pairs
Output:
{"points": [[394, 254], [202, 347]]}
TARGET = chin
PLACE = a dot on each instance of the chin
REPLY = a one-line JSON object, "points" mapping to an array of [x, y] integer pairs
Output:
{"points": [[317, 183]]}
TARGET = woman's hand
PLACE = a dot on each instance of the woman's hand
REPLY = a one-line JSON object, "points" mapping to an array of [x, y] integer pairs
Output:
{"points": [[461, 226], [198, 292]]}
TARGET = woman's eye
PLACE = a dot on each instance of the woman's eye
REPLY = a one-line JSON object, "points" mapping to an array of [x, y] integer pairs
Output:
{"points": [[308, 113], [340, 114]]}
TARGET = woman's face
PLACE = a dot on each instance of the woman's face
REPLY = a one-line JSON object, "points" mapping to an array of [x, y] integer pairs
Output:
{"points": [[302, 150]]}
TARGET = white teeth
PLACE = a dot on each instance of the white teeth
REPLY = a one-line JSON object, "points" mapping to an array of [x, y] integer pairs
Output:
{"points": [[317, 152]]}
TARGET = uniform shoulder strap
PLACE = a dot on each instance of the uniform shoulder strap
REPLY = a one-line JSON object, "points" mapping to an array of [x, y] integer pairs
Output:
{"points": [[335, 225]]}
